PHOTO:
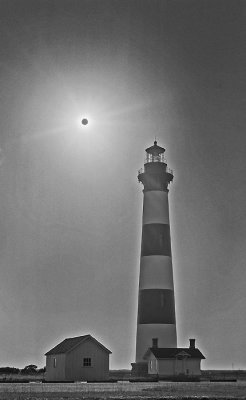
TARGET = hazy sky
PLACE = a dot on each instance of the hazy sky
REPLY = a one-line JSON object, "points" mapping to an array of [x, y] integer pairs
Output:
{"points": [[71, 206]]}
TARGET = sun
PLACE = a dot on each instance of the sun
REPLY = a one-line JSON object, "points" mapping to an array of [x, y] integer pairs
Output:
{"points": [[84, 121]]}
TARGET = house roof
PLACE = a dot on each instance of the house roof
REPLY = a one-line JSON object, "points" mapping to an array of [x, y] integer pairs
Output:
{"points": [[172, 352], [70, 343]]}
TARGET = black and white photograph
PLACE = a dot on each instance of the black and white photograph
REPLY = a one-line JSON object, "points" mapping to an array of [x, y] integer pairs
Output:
{"points": [[122, 199]]}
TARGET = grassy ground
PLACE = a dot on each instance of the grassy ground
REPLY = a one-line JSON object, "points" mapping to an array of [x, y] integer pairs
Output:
{"points": [[124, 390]]}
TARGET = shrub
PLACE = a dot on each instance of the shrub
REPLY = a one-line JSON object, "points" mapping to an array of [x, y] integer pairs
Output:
{"points": [[29, 369], [9, 370]]}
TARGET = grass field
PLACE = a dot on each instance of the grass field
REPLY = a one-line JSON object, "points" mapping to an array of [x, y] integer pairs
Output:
{"points": [[124, 390]]}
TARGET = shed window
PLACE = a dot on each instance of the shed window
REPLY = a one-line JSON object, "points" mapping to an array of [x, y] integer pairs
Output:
{"points": [[54, 362], [87, 362]]}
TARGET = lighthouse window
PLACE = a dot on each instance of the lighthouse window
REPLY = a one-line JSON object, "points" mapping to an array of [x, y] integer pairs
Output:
{"points": [[87, 362]]}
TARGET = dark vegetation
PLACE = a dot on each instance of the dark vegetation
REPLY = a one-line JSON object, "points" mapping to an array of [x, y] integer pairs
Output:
{"points": [[24, 375], [207, 375], [9, 370], [224, 375], [32, 373], [28, 369]]}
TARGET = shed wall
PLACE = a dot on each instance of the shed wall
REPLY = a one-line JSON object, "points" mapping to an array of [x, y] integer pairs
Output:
{"points": [[186, 366], [171, 367], [152, 365], [99, 369], [55, 373], [166, 367]]}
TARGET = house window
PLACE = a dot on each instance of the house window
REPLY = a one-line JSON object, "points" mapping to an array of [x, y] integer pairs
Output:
{"points": [[54, 362], [150, 364], [87, 362]]}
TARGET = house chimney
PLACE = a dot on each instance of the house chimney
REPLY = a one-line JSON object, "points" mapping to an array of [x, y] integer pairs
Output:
{"points": [[192, 343], [155, 343]]}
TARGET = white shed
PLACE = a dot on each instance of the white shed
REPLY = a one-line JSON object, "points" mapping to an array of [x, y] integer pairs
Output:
{"points": [[80, 358]]}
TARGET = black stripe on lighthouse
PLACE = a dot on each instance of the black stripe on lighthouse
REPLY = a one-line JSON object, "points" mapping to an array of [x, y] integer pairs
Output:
{"points": [[156, 306], [156, 240]]}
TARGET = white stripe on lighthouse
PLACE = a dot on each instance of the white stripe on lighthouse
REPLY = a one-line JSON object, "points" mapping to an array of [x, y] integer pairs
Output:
{"points": [[166, 334], [156, 273], [155, 209]]}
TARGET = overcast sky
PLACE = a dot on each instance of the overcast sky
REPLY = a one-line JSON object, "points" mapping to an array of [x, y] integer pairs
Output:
{"points": [[71, 206]]}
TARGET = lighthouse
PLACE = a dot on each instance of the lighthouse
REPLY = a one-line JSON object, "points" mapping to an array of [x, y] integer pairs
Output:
{"points": [[156, 306]]}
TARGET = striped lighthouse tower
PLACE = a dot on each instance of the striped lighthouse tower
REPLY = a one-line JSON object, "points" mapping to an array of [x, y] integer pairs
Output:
{"points": [[156, 308]]}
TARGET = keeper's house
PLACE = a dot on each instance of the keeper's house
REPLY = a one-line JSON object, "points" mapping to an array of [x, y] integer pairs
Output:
{"points": [[80, 358], [166, 362]]}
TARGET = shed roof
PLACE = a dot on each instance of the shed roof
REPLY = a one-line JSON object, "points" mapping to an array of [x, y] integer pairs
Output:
{"points": [[172, 352], [70, 343]]}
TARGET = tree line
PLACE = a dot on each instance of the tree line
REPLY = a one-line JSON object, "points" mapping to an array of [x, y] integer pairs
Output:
{"points": [[28, 369]]}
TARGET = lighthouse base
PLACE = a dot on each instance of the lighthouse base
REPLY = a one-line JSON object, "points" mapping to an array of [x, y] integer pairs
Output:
{"points": [[139, 369]]}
